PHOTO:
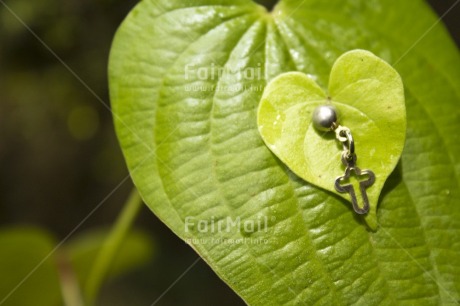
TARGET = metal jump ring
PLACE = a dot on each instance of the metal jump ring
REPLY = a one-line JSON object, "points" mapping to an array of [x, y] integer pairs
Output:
{"points": [[349, 144]]}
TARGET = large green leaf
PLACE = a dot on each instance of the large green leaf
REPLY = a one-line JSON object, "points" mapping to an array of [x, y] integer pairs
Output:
{"points": [[188, 131]]}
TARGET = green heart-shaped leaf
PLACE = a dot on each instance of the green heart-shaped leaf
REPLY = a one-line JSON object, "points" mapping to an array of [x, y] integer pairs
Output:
{"points": [[186, 79], [369, 95]]}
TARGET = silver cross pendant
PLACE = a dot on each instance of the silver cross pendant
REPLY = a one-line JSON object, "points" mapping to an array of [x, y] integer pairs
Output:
{"points": [[351, 190], [325, 119], [349, 160]]}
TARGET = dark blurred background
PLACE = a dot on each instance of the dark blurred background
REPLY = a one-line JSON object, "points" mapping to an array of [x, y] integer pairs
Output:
{"points": [[59, 156]]}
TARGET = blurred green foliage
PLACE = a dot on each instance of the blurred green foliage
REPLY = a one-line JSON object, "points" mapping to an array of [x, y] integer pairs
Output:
{"points": [[51, 124], [23, 251], [135, 250], [34, 272]]}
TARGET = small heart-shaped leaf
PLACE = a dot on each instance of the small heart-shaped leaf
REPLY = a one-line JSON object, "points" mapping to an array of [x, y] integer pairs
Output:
{"points": [[369, 96]]}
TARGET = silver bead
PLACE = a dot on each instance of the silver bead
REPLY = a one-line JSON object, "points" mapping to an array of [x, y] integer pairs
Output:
{"points": [[325, 117]]}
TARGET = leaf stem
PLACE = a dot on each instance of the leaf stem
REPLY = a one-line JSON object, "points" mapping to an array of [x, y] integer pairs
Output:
{"points": [[111, 245], [70, 289]]}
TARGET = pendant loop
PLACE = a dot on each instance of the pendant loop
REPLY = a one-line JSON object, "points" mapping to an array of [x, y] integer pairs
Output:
{"points": [[343, 134]]}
